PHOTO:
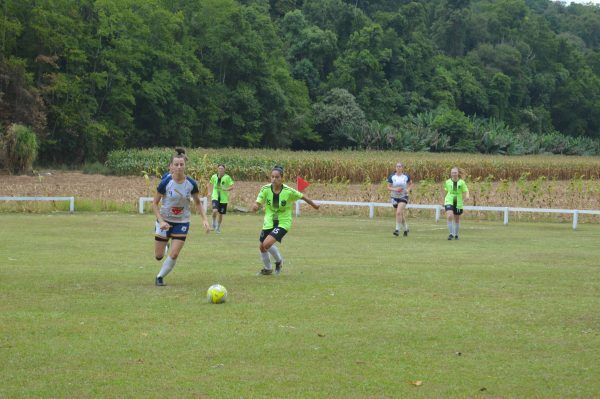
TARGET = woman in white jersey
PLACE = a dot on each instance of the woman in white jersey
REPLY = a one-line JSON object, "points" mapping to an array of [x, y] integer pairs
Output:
{"points": [[173, 216], [400, 185]]}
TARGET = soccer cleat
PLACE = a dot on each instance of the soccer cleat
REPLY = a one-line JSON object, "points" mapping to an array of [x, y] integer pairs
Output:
{"points": [[396, 233], [159, 282], [405, 233], [265, 272], [450, 237], [278, 267], [456, 237]]}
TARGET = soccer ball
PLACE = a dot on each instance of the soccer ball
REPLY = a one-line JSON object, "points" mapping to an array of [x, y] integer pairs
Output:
{"points": [[216, 294]]}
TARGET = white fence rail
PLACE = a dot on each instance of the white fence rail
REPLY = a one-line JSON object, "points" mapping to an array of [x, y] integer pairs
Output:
{"points": [[143, 200], [371, 205], [438, 209], [70, 199]]}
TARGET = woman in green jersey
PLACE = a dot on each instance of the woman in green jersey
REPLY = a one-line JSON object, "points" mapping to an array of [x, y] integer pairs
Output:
{"points": [[278, 200], [455, 187], [221, 184]]}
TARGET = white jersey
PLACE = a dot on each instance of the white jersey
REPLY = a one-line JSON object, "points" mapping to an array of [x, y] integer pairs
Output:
{"points": [[176, 198], [399, 181]]}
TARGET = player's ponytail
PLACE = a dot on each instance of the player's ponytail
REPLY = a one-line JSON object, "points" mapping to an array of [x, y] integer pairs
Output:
{"points": [[180, 153]]}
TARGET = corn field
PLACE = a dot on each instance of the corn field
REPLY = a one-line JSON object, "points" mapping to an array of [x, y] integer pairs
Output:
{"points": [[356, 167]]}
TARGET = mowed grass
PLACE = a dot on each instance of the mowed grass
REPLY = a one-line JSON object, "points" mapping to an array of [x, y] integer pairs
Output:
{"points": [[505, 312]]}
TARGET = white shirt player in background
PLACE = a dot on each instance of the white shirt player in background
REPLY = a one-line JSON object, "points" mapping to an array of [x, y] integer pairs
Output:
{"points": [[176, 191], [400, 185]]}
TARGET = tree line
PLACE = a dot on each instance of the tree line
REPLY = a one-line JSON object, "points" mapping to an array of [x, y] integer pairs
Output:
{"points": [[501, 76]]}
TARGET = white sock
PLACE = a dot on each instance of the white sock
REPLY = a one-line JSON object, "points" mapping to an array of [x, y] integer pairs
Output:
{"points": [[451, 227], [275, 252], [167, 266], [398, 225], [266, 260], [216, 225], [405, 226], [456, 226]]}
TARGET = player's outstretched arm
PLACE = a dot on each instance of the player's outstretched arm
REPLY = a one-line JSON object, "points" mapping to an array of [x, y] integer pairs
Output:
{"points": [[310, 202]]}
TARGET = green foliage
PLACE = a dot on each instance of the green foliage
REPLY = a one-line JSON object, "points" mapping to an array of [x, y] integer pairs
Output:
{"points": [[20, 147], [505, 77]]}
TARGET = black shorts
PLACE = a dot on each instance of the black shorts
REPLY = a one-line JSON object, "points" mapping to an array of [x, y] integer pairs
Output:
{"points": [[275, 232], [453, 209], [219, 206], [396, 201]]}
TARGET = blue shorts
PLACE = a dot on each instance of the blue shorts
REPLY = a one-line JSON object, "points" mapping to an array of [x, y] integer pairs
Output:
{"points": [[176, 231]]}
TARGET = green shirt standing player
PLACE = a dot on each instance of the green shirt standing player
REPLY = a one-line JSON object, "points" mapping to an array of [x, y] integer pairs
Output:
{"points": [[455, 187], [221, 185], [278, 200]]}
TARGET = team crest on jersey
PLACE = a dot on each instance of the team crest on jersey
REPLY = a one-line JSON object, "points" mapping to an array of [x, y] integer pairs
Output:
{"points": [[177, 210], [268, 202], [283, 203]]}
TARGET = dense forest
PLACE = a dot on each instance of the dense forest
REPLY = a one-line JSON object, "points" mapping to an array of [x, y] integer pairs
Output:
{"points": [[490, 76]]}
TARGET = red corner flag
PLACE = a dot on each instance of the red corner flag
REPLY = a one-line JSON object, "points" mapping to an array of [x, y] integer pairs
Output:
{"points": [[302, 184]]}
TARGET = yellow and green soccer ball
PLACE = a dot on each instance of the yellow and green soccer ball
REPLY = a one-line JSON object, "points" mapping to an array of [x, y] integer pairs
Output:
{"points": [[216, 294]]}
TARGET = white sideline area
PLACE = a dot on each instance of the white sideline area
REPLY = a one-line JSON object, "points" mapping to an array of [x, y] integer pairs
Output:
{"points": [[438, 209], [70, 199]]}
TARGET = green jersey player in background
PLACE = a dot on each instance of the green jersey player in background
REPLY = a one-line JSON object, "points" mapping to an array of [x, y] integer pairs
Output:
{"points": [[221, 184], [455, 187], [278, 200]]}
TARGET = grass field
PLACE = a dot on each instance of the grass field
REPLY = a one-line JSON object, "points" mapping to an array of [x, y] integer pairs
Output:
{"points": [[505, 312]]}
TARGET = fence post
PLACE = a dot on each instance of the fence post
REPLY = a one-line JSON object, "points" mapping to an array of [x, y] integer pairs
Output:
{"points": [[72, 204], [297, 208], [505, 216], [371, 210], [575, 217], [437, 213], [141, 205]]}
